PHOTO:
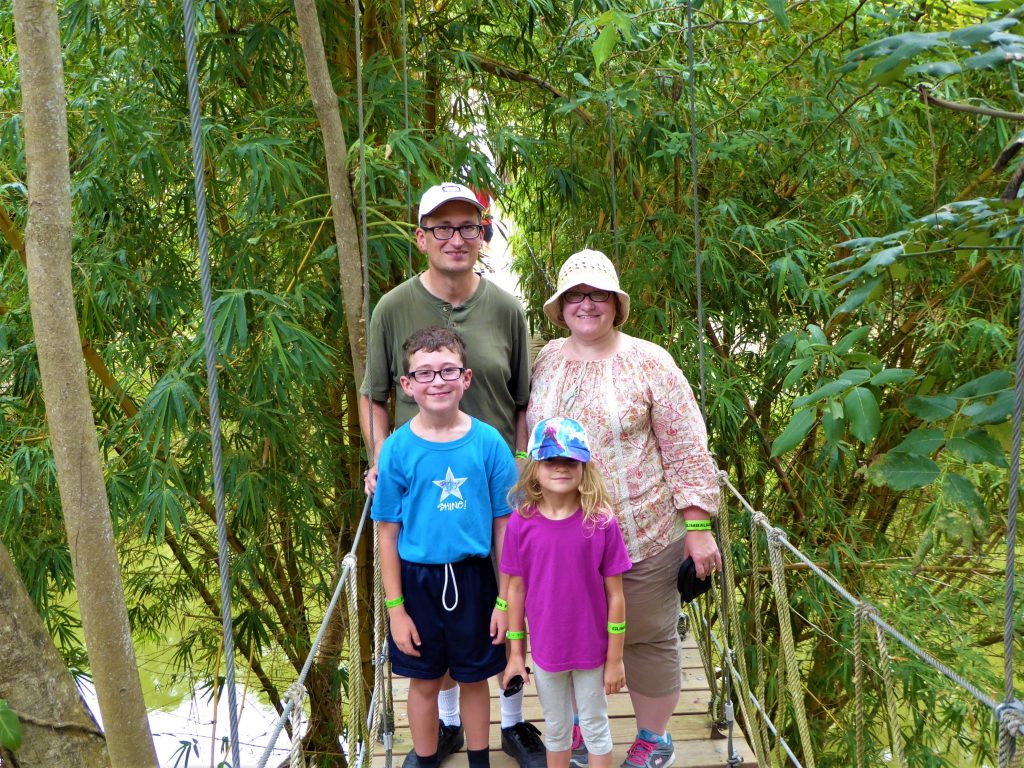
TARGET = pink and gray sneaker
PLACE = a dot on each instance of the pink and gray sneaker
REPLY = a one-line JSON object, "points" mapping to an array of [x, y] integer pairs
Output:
{"points": [[650, 751]]}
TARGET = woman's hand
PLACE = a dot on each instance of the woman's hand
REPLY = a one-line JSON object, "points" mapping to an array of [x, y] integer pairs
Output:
{"points": [[702, 547]]}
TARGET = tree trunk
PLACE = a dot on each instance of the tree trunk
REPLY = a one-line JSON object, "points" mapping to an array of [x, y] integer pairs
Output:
{"points": [[66, 392], [39, 688], [346, 233]]}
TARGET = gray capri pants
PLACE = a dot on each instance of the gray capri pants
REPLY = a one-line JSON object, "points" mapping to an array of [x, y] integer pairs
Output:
{"points": [[555, 690]]}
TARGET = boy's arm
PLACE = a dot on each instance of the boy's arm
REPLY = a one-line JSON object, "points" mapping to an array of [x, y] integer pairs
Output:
{"points": [[614, 671], [499, 618], [403, 630], [516, 624]]}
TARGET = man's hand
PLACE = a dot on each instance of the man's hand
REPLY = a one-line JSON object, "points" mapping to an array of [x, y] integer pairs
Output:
{"points": [[370, 480]]}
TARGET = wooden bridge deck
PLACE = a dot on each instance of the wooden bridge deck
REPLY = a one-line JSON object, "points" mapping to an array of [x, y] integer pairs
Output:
{"points": [[697, 745]]}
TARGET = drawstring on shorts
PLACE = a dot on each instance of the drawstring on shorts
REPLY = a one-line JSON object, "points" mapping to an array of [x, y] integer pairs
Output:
{"points": [[444, 592]]}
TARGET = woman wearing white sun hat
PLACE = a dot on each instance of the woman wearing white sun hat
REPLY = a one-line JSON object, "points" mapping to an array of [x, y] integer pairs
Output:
{"points": [[650, 443]]}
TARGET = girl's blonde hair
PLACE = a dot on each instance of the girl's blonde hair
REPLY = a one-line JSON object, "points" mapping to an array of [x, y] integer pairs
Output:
{"points": [[526, 494]]}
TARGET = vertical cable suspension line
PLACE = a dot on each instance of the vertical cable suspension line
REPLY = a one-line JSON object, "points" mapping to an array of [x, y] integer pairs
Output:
{"points": [[211, 373], [611, 160]]}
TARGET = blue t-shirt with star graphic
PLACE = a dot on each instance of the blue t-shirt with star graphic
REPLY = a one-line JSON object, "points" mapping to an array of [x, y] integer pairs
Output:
{"points": [[445, 495]]}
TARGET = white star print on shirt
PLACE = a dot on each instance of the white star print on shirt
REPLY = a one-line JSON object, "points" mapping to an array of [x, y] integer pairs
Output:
{"points": [[450, 485]]}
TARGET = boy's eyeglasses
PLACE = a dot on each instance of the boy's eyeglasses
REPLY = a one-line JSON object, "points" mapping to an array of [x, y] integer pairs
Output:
{"points": [[515, 684], [446, 232], [577, 297], [425, 375]]}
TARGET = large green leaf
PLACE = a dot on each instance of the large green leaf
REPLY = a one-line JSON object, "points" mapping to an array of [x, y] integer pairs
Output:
{"points": [[959, 491], [861, 410], [834, 427], [794, 432], [778, 8], [903, 471], [931, 408], [850, 340], [996, 412], [10, 728], [980, 33], [978, 447], [988, 384], [604, 45], [830, 389], [922, 442], [858, 296], [892, 376]]}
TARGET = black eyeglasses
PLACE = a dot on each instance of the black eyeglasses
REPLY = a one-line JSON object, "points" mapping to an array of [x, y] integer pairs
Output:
{"points": [[515, 684], [577, 297], [446, 231], [425, 375]]}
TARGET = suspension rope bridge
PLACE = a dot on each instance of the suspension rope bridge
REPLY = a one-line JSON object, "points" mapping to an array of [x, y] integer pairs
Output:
{"points": [[375, 726]]}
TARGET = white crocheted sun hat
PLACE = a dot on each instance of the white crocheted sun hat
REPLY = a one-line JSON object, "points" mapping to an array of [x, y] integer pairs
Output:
{"points": [[592, 268]]}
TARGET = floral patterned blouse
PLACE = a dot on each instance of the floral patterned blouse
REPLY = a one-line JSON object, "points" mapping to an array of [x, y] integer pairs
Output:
{"points": [[646, 435]]}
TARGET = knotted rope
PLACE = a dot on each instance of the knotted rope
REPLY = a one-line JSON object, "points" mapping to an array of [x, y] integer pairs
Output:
{"points": [[793, 680], [295, 695]]}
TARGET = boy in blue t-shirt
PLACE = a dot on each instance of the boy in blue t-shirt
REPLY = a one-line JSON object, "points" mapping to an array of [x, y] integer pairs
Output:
{"points": [[441, 499]]}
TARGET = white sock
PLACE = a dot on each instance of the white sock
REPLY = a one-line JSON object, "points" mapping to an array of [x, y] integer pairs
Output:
{"points": [[511, 709], [448, 707]]}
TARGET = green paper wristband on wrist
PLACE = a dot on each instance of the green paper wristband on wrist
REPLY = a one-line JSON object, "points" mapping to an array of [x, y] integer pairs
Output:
{"points": [[520, 635], [521, 455], [698, 525], [501, 605], [395, 603], [616, 627]]}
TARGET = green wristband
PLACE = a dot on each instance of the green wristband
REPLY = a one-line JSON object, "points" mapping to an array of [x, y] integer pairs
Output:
{"points": [[395, 603], [616, 627], [501, 605], [520, 635], [521, 455], [698, 525]]}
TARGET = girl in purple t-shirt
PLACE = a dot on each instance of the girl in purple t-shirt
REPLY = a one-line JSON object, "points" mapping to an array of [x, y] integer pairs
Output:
{"points": [[565, 557]]}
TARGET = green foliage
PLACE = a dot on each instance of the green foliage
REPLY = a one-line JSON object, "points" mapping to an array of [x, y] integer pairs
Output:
{"points": [[859, 280], [10, 728]]}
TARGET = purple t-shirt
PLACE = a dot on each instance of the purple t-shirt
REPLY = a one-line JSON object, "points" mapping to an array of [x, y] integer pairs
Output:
{"points": [[563, 564]]}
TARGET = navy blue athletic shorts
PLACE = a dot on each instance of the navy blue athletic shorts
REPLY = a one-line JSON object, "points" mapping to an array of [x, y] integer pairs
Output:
{"points": [[451, 606]]}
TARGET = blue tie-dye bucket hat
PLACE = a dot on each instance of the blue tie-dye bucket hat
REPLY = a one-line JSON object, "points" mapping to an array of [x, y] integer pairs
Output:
{"points": [[559, 437]]}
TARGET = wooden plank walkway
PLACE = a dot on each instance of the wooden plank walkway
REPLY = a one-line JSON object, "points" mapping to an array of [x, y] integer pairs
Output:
{"points": [[697, 746]]}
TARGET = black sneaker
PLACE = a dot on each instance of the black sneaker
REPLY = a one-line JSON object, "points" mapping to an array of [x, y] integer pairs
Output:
{"points": [[450, 738], [522, 741]]}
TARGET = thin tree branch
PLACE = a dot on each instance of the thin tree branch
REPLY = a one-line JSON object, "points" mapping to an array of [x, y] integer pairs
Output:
{"points": [[499, 69], [928, 99]]}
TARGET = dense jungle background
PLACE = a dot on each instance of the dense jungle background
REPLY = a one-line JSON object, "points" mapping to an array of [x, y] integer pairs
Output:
{"points": [[858, 181]]}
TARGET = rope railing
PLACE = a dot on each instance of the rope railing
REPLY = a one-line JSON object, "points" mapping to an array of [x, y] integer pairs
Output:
{"points": [[1009, 716], [349, 562]]}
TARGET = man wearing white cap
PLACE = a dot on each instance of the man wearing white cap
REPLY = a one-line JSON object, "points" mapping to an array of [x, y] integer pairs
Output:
{"points": [[492, 323]]}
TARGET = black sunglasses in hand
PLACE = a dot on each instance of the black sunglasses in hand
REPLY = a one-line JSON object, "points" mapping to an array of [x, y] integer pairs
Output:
{"points": [[515, 684]]}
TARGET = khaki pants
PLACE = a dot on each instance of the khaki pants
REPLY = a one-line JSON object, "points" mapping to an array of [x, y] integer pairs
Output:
{"points": [[652, 651]]}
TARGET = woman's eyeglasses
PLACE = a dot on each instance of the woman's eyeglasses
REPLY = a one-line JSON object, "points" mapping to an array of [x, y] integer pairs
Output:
{"points": [[577, 297], [425, 375], [446, 232]]}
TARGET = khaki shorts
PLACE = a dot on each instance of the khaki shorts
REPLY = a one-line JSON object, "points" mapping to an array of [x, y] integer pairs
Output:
{"points": [[652, 652]]}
